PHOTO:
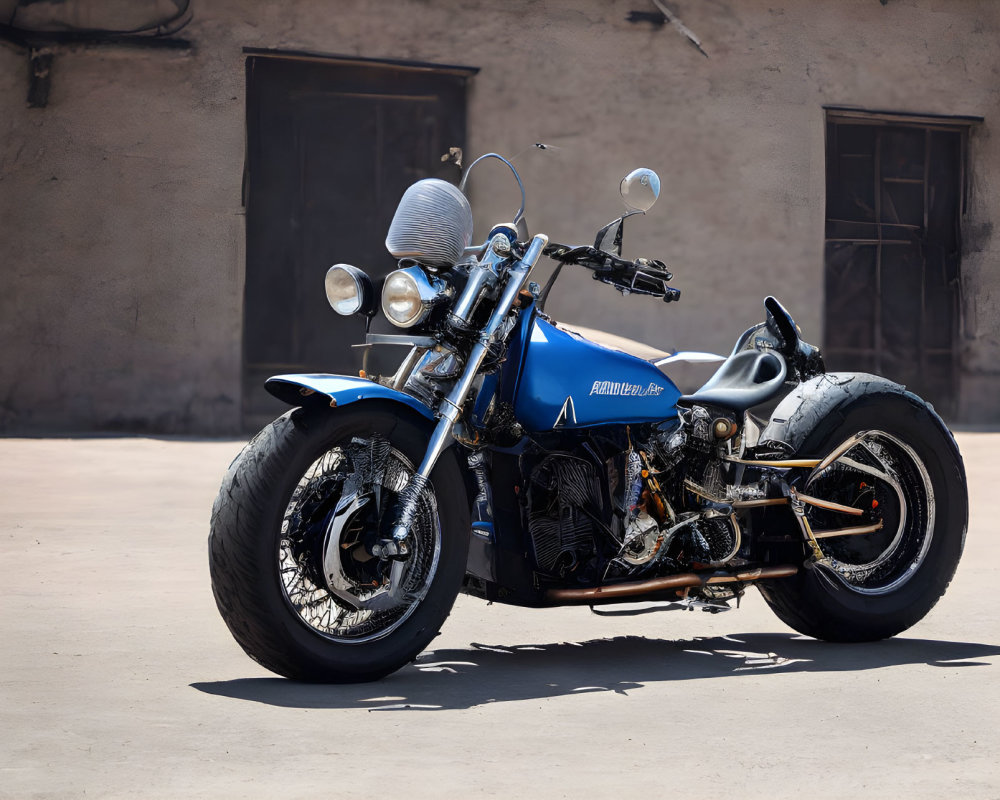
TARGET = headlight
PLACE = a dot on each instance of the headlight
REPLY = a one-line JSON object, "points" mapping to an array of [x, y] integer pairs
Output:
{"points": [[409, 295], [349, 290]]}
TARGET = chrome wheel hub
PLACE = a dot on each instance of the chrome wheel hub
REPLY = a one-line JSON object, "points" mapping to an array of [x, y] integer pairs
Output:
{"points": [[343, 504], [883, 476]]}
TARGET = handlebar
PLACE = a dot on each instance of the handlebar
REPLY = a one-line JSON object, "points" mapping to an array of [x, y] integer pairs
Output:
{"points": [[642, 276]]}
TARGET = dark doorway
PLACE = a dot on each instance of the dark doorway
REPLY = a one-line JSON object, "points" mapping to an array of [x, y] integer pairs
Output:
{"points": [[894, 197], [332, 144]]}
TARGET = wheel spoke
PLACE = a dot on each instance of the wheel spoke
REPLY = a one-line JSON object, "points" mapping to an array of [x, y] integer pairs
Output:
{"points": [[362, 478], [879, 557]]}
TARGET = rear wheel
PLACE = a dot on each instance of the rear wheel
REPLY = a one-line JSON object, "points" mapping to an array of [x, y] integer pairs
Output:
{"points": [[290, 550], [899, 466]]}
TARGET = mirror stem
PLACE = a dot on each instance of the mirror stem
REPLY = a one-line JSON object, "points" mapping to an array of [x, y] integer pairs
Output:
{"points": [[619, 236]]}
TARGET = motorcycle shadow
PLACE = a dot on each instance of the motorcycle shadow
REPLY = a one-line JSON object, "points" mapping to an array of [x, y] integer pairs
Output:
{"points": [[481, 674]]}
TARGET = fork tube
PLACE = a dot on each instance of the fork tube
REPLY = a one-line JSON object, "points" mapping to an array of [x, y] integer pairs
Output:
{"points": [[451, 406]]}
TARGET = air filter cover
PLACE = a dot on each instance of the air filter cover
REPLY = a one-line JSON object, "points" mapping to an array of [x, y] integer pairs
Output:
{"points": [[432, 225]]}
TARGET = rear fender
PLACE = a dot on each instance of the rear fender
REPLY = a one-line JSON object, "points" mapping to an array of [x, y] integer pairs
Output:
{"points": [[812, 401], [337, 391]]}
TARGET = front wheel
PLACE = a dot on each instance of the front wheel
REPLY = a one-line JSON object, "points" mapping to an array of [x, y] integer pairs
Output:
{"points": [[899, 467], [290, 548]]}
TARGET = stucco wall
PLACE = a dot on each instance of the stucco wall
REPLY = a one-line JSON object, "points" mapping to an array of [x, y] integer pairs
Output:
{"points": [[122, 234], [122, 243]]}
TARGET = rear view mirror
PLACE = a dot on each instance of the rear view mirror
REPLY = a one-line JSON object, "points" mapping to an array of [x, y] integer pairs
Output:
{"points": [[640, 188]]}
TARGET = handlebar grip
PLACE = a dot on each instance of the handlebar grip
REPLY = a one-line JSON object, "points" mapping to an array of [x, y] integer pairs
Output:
{"points": [[671, 295]]}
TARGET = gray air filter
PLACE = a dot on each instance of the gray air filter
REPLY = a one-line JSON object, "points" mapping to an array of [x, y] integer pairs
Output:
{"points": [[432, 225]]}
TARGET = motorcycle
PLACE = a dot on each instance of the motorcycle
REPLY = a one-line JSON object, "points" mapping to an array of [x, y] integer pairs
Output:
{"points": [[512, 458]]}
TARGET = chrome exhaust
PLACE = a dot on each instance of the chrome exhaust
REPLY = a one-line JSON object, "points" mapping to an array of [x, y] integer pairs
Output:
{"points": [[685, 580]]}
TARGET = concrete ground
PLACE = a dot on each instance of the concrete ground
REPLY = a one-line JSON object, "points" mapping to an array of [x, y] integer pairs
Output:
{"points": [[119, 679]]}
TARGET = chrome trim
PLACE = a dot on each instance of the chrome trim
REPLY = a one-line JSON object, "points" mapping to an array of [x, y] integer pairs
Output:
{"points": [[392, 593], [430, 291], [475, 250], [834, 454], [364, 289], [395, 338], [690, 357], [465, 177], [482, 275], [752, 429], [333, 569], [406, 367], [433, 224], [644, 177], [889, 477], [450, 410]]}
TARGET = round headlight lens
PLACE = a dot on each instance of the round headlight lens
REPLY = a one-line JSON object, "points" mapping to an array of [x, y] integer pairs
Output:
{"points": [[401, 300], [343, 290]]}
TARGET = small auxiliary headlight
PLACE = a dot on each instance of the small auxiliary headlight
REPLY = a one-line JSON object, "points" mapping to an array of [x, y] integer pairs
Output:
{"points": [[349, 290]]}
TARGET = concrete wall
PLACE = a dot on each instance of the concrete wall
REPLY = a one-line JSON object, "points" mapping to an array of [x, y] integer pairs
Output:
{"points": [[122, 232], [122, 242]]}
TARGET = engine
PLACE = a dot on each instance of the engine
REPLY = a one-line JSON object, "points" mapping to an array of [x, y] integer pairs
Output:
{"points": [[564, 511], [655, 503]]}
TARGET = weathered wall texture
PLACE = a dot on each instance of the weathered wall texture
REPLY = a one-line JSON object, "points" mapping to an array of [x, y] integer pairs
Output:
{"points": [[122, 237]]}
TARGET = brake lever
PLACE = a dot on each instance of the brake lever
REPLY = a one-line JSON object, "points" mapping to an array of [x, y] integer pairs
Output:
{"points": [[642, 276]]}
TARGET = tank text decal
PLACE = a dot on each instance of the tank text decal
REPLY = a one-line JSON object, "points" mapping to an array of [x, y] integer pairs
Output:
{"points": [[625, 389]]}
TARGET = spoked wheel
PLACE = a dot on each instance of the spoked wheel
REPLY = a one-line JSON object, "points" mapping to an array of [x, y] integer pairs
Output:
{"points": [[888, 483], [342, 506], [293, 531], [884, 566]]}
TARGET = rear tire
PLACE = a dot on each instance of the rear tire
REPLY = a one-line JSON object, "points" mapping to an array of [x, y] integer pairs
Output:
{"points": [[888, 580], [267, 545]]}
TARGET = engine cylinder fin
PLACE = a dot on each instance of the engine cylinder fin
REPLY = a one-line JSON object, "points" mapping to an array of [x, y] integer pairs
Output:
{"points": [[560, 490]]}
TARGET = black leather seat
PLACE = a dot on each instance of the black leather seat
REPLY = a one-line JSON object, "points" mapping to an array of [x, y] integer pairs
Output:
{"points": [[745, 379]]}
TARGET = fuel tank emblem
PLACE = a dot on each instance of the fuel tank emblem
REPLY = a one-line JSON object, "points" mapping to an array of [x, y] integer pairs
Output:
{"points": [[625, 389], [567, 414]]}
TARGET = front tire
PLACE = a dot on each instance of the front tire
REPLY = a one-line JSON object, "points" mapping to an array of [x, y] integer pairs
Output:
{"points": [[319, 487], [906, 472]]}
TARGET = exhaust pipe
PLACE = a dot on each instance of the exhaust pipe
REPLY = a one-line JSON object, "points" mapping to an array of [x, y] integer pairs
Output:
{"points": [[620, 591]]}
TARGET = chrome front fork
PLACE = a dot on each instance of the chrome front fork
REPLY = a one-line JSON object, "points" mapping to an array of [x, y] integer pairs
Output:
{"points": [[450, 408]]}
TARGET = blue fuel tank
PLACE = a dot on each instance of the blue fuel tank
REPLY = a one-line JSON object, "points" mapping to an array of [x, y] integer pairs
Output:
{"points": [[567, 381]]}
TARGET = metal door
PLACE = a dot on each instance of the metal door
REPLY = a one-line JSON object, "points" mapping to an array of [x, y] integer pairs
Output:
{"points": [[893, 250], [331, 146]]}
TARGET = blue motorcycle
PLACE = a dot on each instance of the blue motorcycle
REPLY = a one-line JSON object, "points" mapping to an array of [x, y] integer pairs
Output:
{"points": [[515, 459]]}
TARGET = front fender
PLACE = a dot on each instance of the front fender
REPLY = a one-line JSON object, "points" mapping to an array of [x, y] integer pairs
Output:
{"points": [[337, 390], [802, 409]]}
